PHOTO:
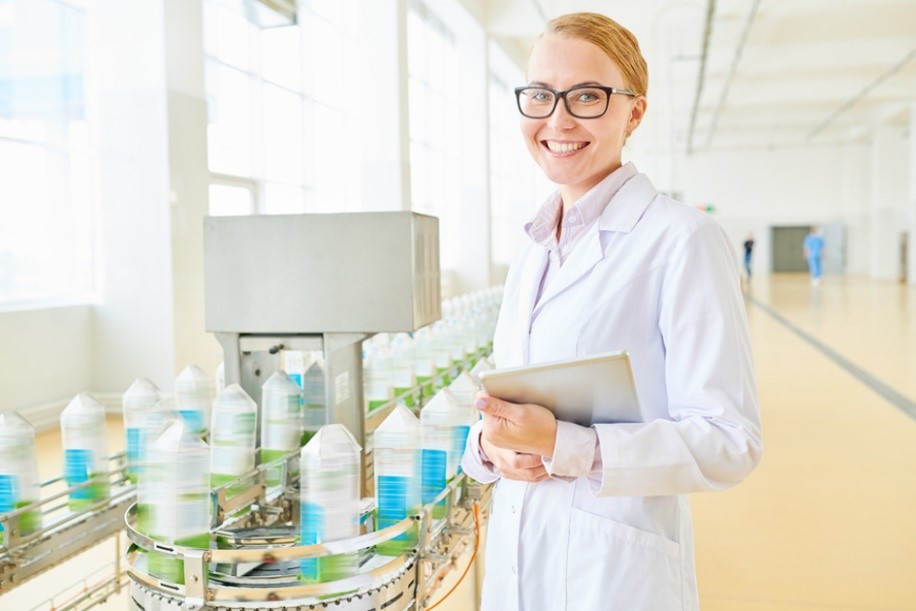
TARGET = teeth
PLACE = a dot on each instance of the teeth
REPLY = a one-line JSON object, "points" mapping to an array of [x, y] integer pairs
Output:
{"points": [[564, 147]]}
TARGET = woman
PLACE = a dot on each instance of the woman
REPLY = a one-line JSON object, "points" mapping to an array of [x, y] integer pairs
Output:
{"points": [[587, 518]]}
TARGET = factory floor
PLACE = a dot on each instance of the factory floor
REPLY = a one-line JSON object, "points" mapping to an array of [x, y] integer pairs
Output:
{"points": [[828, 519]]}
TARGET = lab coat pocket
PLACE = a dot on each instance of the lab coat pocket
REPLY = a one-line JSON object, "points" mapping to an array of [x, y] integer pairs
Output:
{"points": [[613, 566]]}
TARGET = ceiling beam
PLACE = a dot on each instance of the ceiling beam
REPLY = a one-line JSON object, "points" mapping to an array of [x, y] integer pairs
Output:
{"points": [[707, 35]]}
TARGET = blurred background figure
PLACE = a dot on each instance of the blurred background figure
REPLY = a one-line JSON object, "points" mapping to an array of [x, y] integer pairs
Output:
{"points": [[748, 250], [814, 253]]}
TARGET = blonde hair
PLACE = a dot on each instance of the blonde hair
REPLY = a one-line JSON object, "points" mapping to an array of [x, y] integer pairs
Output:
{"points": [[615, 40]]}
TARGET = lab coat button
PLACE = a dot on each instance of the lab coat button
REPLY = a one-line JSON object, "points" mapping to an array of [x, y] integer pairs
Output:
{"points": [[513, 509]]}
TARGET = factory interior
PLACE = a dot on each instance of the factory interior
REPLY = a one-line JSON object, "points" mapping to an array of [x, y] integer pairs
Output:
{"points": [[234, 206]]}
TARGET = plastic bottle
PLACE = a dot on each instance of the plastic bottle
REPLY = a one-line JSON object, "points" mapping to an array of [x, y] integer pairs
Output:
{"points": [[314, 397], [377, 387], [140, 398], [424, 360], [82, 429], [177, 476], [398, 476], [281, 421], [444, 422], [330, 500], [403, 376], [193, 395], [464, 388], [19, 485], [152, 423], [233, 430]]}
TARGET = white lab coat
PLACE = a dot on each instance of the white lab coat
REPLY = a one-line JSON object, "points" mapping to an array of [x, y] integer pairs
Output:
{"points": [[658, 279]]}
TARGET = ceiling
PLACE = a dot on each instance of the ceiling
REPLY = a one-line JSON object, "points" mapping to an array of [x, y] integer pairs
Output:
{"points": [[736, 74]]}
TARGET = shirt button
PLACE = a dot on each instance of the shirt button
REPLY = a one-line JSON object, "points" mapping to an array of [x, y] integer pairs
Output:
{"points": [[513, 509]]}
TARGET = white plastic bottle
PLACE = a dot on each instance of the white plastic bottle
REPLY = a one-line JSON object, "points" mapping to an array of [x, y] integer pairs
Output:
{"points": [[232, 436], [330, 500], [281, 421], [152, 424], [445, 424], [377, 387], [464, 388], [139, 399], [177, 476], [403, 373], [313, 383], [193, 395], [82, 429], [398, 463], [19, 485]]}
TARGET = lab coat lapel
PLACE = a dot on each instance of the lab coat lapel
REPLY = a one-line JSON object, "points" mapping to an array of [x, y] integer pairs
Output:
{"points": [[529, 282], [582, 259]]}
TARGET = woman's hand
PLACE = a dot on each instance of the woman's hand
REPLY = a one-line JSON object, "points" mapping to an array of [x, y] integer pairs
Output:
{"points": [[512, 465], [522, 428]]}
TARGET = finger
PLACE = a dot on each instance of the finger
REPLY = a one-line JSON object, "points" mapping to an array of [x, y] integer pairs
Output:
{"points": [[494, 407]]}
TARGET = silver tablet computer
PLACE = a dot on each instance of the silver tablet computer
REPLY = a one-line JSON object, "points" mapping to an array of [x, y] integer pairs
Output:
{"points": [[587, 390]]}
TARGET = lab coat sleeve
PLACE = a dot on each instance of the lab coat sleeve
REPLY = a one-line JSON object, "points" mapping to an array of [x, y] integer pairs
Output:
{"points": [[474, 462], [711, 439]]}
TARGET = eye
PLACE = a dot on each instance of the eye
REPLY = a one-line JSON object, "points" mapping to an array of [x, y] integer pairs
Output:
{"points": [[540, 96], [588, 96]]}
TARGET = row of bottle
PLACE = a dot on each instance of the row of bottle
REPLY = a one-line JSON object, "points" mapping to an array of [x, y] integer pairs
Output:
{"points": [[414, 460], [393, 364]]}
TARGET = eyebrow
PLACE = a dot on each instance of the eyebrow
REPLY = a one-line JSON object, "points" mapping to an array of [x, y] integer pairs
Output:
{"points": [[582, 84]]}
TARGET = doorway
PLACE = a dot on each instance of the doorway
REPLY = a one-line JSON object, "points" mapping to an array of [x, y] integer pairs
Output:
{"points": [[786, 248]]}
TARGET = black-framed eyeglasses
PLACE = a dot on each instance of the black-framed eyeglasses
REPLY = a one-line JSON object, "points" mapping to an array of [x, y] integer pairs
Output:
{"points": [[582, 101]]}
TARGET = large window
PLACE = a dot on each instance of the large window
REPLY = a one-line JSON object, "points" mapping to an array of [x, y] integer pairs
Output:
{"points": [[517, 185], [46, 211], [278, 100], [434, 125]]}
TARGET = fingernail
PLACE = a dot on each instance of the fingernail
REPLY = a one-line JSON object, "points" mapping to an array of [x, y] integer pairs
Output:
{"points": [[480, 403]]}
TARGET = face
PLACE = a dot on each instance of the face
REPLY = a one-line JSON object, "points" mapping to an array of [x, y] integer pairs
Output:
{"points": [[578, 153]]}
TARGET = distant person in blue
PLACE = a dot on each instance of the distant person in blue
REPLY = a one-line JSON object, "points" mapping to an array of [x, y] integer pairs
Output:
{"points": [[814, 253], [748, 250]]}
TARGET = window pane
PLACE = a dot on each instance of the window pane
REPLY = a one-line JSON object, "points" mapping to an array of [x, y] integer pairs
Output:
{"points": [[283, 199], [42, 255], [226, 35], [229, 200], [281, 56], [327, 65], [282, 135], [46, 209], [329, 149], [229, 140]]}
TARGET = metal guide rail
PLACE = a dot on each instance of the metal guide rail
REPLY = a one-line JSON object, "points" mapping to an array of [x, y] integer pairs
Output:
{"points": [[64, 532], [257, 567]]}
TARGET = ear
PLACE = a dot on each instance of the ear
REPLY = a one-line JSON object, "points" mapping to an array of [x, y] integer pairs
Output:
{"points": [[637, 112]]}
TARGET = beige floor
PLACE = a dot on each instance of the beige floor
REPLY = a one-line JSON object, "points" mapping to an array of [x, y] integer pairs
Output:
{"points": [[828, 520]]}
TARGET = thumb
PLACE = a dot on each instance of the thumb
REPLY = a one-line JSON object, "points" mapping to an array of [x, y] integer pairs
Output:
{"points": [[492, 406]]}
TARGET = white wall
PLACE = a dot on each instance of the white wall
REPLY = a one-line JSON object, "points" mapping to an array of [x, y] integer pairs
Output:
{"points": [[46, 356], [753, 190]]}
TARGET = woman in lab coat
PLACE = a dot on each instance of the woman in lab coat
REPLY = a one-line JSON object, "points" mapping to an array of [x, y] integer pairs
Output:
{"points": [[587, 518]]}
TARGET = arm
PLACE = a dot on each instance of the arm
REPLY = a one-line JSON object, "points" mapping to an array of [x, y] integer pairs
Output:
{"points": [[711, 438]]}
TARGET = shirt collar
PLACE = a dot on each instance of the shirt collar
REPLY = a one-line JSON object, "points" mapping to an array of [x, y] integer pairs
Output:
{"points": [[542, 229]]}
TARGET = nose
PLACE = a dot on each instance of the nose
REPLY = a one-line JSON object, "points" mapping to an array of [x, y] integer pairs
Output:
{"points": [[561, 118]]}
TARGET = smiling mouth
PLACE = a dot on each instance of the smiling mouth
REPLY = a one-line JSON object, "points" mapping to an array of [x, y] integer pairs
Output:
{"points": [[563, 147]]}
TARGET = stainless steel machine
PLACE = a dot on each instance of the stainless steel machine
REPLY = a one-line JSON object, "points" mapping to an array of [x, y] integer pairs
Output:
{"points": [[317, 282]]}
